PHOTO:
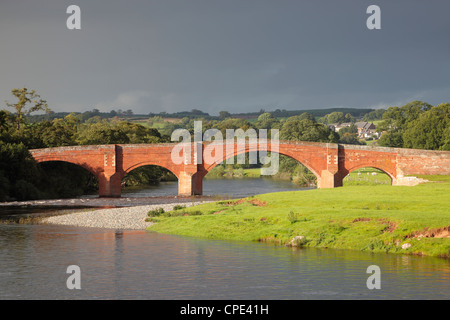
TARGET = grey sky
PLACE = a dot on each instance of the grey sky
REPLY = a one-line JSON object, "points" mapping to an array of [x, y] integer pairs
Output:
{"points": [[235, 55]]}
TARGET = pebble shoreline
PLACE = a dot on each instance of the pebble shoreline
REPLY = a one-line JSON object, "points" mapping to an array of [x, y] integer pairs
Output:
{"points": [[123, 218]]}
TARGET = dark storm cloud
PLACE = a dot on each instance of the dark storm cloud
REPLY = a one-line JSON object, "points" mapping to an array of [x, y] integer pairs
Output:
{"points": [[225, 54]]}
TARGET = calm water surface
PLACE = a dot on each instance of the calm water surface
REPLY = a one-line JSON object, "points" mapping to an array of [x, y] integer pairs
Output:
{"points": [[144, 265], [223, 187]]}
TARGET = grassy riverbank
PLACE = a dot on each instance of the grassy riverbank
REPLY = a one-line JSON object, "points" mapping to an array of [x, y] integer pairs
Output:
{"points": [[376, 218]]}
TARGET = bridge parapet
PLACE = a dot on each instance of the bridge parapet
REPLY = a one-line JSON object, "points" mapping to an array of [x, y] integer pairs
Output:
{"points": [[329, 162]]}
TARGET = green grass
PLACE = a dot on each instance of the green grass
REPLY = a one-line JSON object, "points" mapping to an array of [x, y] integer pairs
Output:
{"points": [[378, 218], [252, 173], [367, 176], [376, 122], [234, 173]]}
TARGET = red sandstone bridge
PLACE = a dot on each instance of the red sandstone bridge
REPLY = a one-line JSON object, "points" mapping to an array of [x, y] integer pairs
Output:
{"points": [[329, 162]]}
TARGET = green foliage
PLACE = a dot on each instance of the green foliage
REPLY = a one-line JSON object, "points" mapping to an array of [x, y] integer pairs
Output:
{"points": [[350, 129], [4, 120], [224, 114], [19, 171], [155, 212], [101, 133], [178, 211], [147, 175], [231, 123], [22, 178], [267, 121], [430, 130], [66, 180], [307, 116], [374, 115], [291, 169], [391, 139], [349, 138], [293, 217], [416, 125], [59, 132], [28, 102], [182, 213], [307, 130], [334, 117], [397, 118], [25, 190]]}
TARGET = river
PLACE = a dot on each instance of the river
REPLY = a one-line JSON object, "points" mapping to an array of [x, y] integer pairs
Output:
{"points": [[223, 187], [145, 265]]}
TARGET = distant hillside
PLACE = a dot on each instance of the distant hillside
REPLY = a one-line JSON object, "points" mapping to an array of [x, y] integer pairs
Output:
{"points": [[194, 114], [315, 112]]}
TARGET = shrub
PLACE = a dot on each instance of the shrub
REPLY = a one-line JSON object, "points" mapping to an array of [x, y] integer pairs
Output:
{"points": [[24, 190], [183, 213], [293, 216], [155, 212]]}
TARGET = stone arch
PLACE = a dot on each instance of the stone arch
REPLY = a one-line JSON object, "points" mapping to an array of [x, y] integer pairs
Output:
{"points": [[75, 177], [150, 163], [63, 159], [247, 149], [384, 170]]}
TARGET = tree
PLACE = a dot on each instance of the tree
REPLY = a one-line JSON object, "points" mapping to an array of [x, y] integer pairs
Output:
{"points": [[392, 138], [374, 115], [100, 133], [266, 121], [349, 138], [349, 118], [397, 118], [350, 129], [232, 123], [137, 133], [306, 115], [428, 131], [334, 117], [224, 114], [396, 121], [19, 172], [26, 98], [307, 130], [59, 132], [4, 118]]}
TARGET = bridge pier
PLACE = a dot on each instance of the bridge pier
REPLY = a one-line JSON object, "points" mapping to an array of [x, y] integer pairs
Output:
{"points": [[329, 179], [190, 184], [110, 186]]}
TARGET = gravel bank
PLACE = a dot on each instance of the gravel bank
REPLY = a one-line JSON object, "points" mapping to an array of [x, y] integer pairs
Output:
{"points": [[116, 218], [111, 202]]}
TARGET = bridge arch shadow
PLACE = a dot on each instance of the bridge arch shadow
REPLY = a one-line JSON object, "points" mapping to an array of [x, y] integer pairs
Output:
{"points": [[65, 179]]}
